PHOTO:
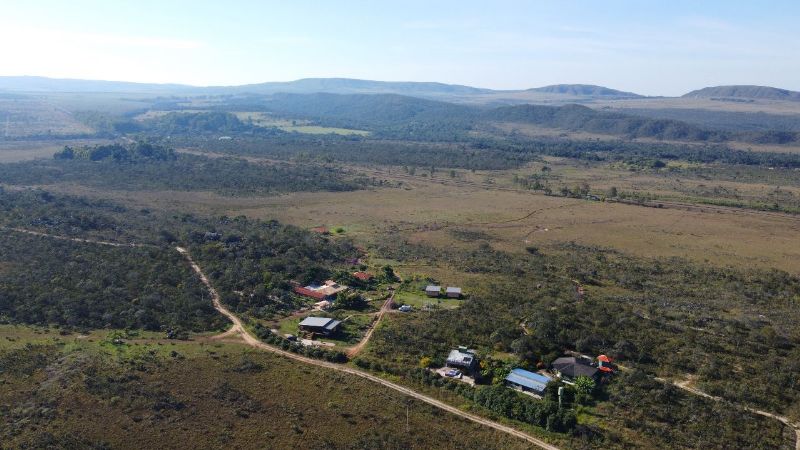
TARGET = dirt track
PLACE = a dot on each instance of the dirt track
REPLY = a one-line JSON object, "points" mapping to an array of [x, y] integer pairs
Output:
{"points": [[251, 340], [356, 349]]}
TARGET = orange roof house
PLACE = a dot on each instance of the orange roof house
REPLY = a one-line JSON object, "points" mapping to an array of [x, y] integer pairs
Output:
{"points": [[363, 276]]}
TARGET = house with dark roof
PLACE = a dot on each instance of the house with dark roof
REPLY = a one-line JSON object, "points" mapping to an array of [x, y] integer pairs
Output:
{"points": [[319, 325], [568, 368], [527, 381], [462, 358]]}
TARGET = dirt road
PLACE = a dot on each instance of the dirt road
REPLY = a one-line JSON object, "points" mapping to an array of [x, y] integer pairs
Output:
{"points": [[73, 239], [254, 342], [686, 386], [356, 349]]}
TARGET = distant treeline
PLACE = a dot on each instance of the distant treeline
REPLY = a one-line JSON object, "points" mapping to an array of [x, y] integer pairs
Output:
{"points": [[144, 166], [482, 153]]}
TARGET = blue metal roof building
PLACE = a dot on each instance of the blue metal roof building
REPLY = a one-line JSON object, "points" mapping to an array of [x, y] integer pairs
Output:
{"points": [[527, 381]]}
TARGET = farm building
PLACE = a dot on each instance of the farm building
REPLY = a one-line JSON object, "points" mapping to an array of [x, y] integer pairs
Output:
{"points": [[319, 325], [433, 291], [569, 367], [325, 291], [462, 358], [453, 292], [527, 381]]}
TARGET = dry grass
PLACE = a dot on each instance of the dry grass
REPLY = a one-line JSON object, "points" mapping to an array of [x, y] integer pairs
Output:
{"points": [[423, 210]]}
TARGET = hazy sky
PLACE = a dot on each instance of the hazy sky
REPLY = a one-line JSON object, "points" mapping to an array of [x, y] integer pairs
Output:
{"points": [[664, 48]]}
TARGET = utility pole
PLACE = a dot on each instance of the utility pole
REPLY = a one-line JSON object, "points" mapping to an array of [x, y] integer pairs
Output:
{"points": [[408, 429]]}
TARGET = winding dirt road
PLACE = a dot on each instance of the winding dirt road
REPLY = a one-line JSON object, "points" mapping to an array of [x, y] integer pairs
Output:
{"points": [[254, 342]]}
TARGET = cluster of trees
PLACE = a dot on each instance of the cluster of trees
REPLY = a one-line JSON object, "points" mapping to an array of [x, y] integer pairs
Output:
{"points": [[137, 152], [508, 403], [200, 123]]}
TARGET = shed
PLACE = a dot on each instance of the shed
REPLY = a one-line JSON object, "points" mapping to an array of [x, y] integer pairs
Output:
{"points": [[319, 325], [453, 292], [527, 381], [433, 290]]}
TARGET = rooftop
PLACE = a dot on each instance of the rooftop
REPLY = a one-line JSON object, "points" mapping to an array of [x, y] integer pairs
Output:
{"points": [[315, 322], [433, 288], [320, 322], [574, 367], [453, 290], [461, 357], [530, 380]]}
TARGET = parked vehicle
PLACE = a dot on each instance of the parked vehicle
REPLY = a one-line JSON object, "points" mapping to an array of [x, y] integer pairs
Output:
{"points": [[453, 373]]}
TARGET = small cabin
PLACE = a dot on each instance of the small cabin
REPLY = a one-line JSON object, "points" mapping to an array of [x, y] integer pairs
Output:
{"points": [[433, 290], [453, 292]]}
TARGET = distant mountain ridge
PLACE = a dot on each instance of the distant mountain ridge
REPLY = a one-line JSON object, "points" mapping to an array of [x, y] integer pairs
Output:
{"points": [[433, 90], [589, 90], [745, 91], [356, 86], [45, 84]]}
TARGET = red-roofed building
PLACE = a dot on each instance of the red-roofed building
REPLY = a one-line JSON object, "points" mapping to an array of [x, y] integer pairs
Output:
{"points": [[363, 276], [604, 364], [309, 293]]}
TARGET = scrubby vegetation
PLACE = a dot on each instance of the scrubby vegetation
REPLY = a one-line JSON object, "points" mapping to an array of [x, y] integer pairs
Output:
{"points": [[148, 167], [80, 394], [667, 316], [76, 285]]}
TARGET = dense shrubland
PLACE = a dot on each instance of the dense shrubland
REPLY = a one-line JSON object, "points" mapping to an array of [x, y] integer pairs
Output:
{"points": [[151, 167], [47, 281]]}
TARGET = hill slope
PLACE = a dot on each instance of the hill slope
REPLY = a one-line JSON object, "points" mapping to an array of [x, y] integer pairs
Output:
{"points": [[44, 84], [585, 90], [745, 91], [354, 86]]}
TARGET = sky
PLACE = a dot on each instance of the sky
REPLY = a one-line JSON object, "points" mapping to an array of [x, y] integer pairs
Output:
{"points": [[648, 47]]}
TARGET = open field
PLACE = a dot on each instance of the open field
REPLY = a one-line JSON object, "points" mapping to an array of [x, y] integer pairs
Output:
{"points": [[300, 126], [15, 151], [29, 116], [516, 218], [181, 394]]}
